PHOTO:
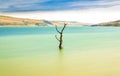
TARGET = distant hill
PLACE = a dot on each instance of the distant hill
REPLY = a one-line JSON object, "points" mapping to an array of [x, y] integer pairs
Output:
{"points": [[113, 23], [13, 21], [70, 23], [7, 20]]}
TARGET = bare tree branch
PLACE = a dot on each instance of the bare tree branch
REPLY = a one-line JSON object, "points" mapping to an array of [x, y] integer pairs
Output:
{"points": [[57, 29], [57, 38], [63, 27]]}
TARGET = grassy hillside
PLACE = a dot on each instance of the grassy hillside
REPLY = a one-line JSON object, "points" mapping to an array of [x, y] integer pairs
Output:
{"points": [[113, 23], [6, 20]]}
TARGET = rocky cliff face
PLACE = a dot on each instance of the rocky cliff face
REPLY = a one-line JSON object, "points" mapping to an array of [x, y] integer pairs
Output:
{"points": [[8, 21]]}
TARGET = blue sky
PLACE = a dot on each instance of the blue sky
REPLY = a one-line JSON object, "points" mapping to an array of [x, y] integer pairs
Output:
{"points": [[40, 5], [90, 11], [53, 5]]}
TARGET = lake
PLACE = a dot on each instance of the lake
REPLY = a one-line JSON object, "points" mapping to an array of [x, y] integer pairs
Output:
{"points": [[33, 51]]}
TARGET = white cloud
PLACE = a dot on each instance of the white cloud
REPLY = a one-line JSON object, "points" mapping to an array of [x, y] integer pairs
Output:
{"points": [[95, 15], [100, 3]]}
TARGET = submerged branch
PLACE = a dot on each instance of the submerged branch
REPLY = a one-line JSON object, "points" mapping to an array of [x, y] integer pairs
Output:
{"points": [[57, 38]]}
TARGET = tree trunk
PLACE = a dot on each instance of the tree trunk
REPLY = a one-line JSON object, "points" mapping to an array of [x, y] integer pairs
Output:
{"points": [[61, 36], [61, 41]]}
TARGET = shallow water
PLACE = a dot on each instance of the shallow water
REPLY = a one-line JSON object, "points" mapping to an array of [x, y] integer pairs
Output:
{"points": [[88, 51]]}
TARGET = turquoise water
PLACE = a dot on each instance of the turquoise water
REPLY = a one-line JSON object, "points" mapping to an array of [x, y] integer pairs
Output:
{"points": [[51, 30], [33, 51]]}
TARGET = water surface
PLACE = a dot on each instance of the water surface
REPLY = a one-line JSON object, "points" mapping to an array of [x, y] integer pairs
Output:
{"points": [[33, 51]]}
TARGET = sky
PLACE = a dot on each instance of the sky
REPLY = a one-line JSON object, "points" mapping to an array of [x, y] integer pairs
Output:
{"points": [[86, 11]]}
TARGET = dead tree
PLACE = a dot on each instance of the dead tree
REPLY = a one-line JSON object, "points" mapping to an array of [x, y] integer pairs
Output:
{"points": [[61, 35]]}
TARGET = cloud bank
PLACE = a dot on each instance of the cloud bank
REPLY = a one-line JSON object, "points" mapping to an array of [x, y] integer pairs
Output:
{"points": [[88, 11]]}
